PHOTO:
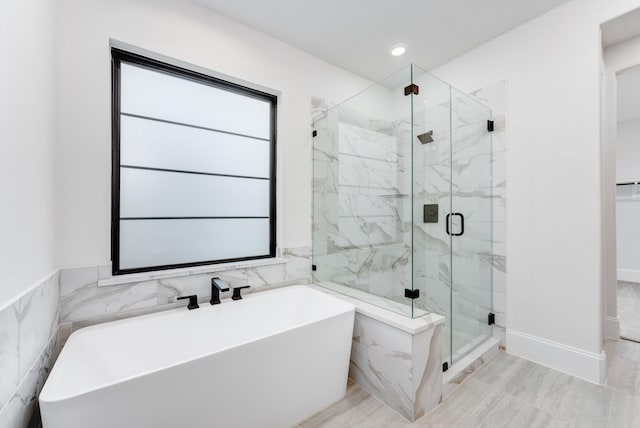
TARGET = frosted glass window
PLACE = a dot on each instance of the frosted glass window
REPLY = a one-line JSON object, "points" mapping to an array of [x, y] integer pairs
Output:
{"points": [[193, 168], [146, 243], [150, 193], [156, 94], [161, 145]]}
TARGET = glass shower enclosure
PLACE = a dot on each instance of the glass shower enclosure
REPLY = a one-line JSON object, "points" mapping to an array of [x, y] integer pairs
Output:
{"points": [[402, 199]]}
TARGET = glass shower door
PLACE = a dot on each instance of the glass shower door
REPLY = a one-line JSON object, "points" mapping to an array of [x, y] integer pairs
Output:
{"points": [[470, 225], [431, 178]]}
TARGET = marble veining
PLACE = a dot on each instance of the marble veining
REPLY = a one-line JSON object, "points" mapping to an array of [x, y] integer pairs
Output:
{"points": [[9, 352], [403, 370], [394, 357], [28, 334], [106, 278], [20, 408], [39, 318], [367, 175], [84, 301]]}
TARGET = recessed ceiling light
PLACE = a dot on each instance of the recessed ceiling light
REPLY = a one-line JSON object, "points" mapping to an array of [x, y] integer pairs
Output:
{"points": [[398, 50]]}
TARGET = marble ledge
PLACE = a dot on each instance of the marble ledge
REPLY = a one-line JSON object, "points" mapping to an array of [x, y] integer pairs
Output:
{"points": [[197, 270], [402, 322]]}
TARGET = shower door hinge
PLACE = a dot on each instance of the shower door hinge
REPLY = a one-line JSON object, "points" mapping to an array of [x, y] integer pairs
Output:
{"points": [[491, 319], [412, 89], [490, 125], [314, 133], [314, 267], [445, 366], [411, 294]]}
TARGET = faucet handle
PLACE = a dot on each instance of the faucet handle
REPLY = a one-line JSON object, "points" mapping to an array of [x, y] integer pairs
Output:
{"points": [[193, 301], [236, 292]]}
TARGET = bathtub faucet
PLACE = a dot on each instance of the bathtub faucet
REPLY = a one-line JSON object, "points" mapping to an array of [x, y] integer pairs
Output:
{"points": [[217, 286]]}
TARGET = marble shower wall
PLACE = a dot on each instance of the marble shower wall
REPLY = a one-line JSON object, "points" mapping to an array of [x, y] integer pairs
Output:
{"points": [[353, 247], [84, 302], [360, 200], [28, 334]]}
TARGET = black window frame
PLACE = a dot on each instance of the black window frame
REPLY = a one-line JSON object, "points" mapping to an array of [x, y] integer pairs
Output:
{"points": [[117, 57]]}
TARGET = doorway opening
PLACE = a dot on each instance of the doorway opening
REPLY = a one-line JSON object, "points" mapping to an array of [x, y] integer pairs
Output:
{"points": [[628, 202], [621, 176]]}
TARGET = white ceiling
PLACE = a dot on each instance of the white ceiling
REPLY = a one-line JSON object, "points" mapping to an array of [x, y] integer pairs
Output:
{"points": [[629, 94], [357, 34]]}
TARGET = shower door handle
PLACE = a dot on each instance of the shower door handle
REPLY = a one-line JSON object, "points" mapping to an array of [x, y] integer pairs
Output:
{"points": [[461, 224]]}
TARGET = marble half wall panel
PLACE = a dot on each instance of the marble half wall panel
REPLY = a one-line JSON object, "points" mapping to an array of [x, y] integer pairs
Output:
{"points": [[28, 333], [401, 369], [84, 302]]}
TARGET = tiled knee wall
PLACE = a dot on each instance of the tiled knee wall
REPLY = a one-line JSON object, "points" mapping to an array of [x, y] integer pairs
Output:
{"points": [[28, 340], [34, 328]]}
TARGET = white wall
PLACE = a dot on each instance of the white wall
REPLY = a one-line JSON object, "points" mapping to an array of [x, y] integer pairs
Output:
{"points": [[26, 151], [190, 33], [628, 151], [551, 64]]}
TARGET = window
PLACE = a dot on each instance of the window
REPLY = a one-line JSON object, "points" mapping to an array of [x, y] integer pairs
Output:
{"points": [[193, 168]]}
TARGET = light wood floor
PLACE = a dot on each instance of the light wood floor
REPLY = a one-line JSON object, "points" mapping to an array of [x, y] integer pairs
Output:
{"points": [[512, 392]]}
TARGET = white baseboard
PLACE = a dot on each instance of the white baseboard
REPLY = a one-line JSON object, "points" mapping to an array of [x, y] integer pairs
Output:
{"points": [[576, 362], [612, 328], [629, 275]]}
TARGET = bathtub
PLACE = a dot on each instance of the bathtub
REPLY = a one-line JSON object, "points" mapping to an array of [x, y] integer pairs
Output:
{"points": [[269, 360]]}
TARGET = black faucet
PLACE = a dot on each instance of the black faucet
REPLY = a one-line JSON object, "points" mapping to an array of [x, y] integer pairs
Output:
{"points": [[217, 286], [236, 292], [193, 301]]}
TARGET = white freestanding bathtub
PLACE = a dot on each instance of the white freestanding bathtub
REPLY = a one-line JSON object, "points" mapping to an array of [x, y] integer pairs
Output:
{"points": [[269, 360]]}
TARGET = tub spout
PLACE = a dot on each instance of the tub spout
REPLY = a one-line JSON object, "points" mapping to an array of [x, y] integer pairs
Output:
{"points": [[217, 286]]}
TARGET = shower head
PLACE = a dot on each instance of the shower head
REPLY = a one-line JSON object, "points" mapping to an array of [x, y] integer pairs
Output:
{"points": [[427, 137]]}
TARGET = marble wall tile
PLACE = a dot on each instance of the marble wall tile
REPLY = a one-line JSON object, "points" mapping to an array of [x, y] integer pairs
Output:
{"points": [[427, 371], [28, 331], [83, 302], [383, 339], [384, 379], [348, 249], [400, 369], [39, 318], [298, 267], [64, 331], [21, 407], [79, 301], [266, 275], [9, 352]]}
